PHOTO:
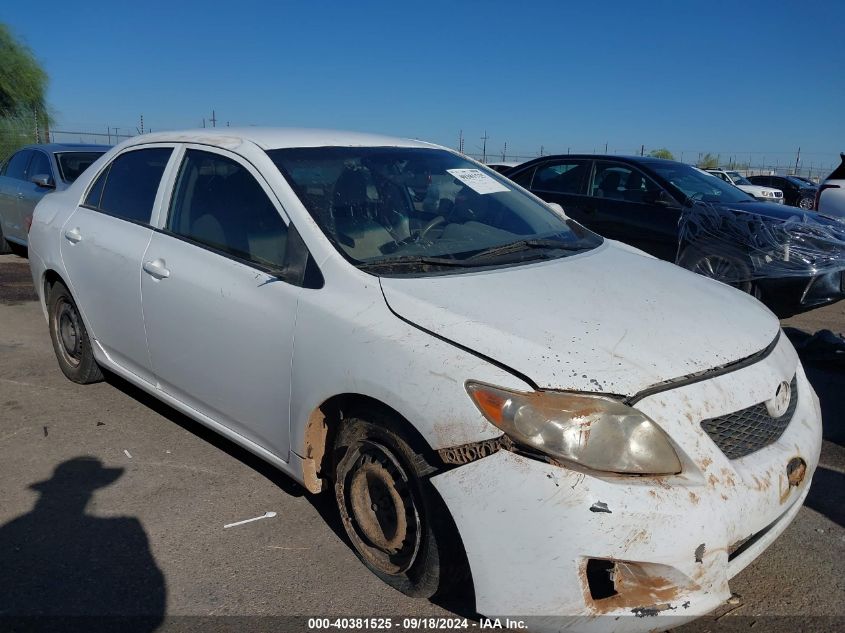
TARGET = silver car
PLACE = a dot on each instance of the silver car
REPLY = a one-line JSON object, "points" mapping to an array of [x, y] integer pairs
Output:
{"points": [[30, 174]]}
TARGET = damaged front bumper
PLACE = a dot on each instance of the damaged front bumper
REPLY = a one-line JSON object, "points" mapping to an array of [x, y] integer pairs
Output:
{"points": [[564, 548]]}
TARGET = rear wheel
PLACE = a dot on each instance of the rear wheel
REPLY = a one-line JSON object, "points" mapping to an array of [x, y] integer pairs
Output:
{"points": [[398, 525], [5, 247], [70, 338]]}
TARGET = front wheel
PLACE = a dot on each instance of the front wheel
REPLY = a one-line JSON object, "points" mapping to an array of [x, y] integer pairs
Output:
{"points": [[398, 525], [807, 203], [720, 263], [70, 338]]}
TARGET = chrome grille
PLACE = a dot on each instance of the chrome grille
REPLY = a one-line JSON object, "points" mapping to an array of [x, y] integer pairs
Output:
{"points": [[741, 433]]}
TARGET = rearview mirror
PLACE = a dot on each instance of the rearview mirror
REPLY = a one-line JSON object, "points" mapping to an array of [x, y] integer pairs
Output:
{"points": [[43, 180]]}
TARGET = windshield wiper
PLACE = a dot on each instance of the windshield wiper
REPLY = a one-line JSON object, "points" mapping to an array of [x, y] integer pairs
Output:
{"points": [[412, 260], [524, 245]]}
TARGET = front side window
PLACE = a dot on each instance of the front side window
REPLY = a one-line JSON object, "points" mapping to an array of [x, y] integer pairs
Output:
{"points": [[72, 164], [219, 204], [16, 167], [560, 176], [127, 188], [423, 209], [39, 166], [621, 182]]}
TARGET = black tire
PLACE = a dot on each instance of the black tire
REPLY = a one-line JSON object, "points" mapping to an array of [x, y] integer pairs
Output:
{"points": [[397, 523], [70, 338], [5, 247], [721, 263], [807, 203]]}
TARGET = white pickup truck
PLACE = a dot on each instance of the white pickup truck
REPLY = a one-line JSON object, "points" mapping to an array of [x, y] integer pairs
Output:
{"points": [[766, 194]]}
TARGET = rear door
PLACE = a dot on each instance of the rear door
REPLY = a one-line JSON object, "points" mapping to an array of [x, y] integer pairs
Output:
{"points": [[561, 180], [218, 311], [102, 244], [625, 204], [11, 180]]}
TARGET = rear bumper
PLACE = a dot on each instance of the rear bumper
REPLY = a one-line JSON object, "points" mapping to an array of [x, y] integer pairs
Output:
{"points": [[530, 528]]}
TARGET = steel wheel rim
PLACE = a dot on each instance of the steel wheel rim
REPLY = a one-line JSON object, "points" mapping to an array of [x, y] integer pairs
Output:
{"points": [[806, 203], [378, 508], [69, 332]]}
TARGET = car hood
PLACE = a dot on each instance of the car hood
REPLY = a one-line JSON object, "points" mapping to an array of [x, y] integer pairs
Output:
{"points": [[612, 320], [755, 188]]}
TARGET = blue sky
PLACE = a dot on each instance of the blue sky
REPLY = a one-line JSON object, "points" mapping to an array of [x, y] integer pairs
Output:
{"points": [[729, 78]]}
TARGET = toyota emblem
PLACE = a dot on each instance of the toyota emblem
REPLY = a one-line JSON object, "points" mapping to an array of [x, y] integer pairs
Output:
{"points": [[779, 403]]}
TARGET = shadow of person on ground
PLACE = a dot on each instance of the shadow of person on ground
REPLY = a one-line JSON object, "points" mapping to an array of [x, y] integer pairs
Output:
{"points": [[827, 494], [64, 569]]}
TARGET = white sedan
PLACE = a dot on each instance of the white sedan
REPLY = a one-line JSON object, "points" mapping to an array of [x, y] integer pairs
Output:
{"points": [[489, 390]]}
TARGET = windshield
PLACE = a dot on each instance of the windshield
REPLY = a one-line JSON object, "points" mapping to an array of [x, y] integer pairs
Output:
{"points": [[798, 182], [72, 164], [738, 178], [698, 185], [423, 207]]}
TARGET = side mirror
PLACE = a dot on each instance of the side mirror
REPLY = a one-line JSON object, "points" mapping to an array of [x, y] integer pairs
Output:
{"points": [[659, 197], [554, 206], [43, 180]]}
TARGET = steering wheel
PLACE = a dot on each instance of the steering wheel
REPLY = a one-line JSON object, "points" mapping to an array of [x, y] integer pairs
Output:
{"points": [[424, 230]]}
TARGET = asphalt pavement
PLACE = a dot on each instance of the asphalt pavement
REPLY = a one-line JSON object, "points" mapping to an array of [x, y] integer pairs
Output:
{"points": [[121, 502]]}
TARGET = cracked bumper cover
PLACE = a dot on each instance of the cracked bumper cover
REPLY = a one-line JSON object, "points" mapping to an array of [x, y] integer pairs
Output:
{"points": [[530, 527]]}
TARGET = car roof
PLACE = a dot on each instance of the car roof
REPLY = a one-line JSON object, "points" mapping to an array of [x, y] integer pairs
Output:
{"points": [[276, 138], [69, 147]]}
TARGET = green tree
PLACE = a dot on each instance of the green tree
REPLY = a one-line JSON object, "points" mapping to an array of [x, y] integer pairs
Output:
{"points": [[708, 161], [662, 153], [23, 85]]}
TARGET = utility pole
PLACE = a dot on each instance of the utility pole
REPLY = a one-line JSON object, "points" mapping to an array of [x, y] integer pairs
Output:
{"points": [[542, 149], [504, 152], [213, 119], [460, 141], [203, 122], [605, 148], [642, 150], [797, 156], [142, 124], [484, 147]]}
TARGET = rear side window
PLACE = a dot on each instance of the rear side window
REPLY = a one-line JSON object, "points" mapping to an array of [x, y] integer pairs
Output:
{"points": [[523, 178], [565, 176], [128, 187], [16, 167], [219, 204]]}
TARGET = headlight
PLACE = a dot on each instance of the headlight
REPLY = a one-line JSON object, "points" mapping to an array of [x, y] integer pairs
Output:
{"points": [[594, 431], [768, 194]]}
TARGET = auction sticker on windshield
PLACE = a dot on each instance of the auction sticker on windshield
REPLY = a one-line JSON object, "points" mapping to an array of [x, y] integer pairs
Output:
{"points": [[478, 181]]}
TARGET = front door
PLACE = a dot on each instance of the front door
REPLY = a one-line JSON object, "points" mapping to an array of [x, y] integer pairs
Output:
{"points": [[628, 206], [102, 244], [220, 325]]}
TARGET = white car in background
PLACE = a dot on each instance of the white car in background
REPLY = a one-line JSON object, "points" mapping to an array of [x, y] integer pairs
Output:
{"points": [[830, 197], [765, 194], [491, 393]]}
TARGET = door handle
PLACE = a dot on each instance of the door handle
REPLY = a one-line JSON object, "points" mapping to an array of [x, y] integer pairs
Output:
{"points": [[156, 268], [73, 235]]}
